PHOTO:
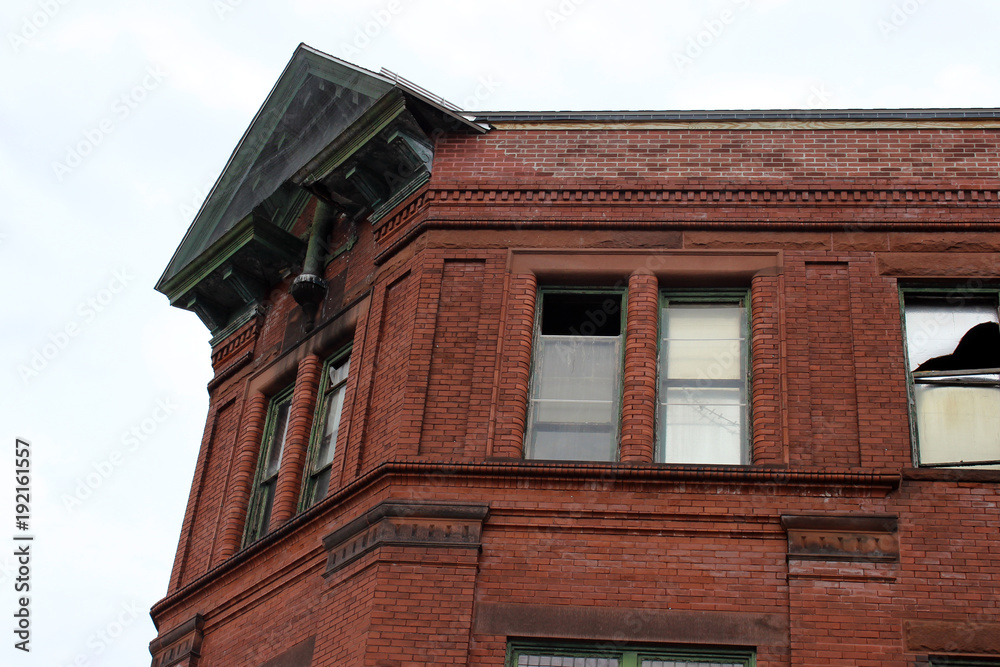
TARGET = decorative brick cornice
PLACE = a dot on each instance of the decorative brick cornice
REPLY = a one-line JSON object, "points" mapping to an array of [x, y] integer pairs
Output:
{"points": [[405, 524], [180, 647], [238, 344], [442, 205], [702, 195]]}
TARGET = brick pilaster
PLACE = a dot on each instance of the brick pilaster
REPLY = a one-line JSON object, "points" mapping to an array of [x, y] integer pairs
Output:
{"points": [[235, 509], [515, 367], [293, 458], [639, 388]]}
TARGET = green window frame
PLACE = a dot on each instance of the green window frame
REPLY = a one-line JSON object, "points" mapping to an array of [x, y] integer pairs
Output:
{"points": [[574, 401], [610, 654], [951, 338], [268, 465], [703, 377], [326, 426]]}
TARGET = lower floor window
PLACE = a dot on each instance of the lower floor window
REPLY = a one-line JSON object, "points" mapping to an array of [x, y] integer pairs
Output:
{"points": [[616, 655]]}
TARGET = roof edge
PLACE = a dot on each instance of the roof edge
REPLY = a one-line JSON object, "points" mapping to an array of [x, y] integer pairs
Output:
{"points": [[736, 115]]}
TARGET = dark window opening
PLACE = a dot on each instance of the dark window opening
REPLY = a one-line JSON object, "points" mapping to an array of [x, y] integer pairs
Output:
{"points": [[576, 314]]}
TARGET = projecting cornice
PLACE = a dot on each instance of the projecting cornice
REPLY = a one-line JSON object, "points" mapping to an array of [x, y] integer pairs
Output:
{"points": [[760, 205]]}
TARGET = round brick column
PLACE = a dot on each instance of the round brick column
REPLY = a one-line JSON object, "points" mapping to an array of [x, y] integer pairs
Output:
{"points": [[293, 458], [639, 388], [248, 447], [515, 367]]}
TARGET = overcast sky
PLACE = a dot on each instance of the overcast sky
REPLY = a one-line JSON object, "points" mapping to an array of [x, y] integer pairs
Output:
{"points": [[117, 117]]}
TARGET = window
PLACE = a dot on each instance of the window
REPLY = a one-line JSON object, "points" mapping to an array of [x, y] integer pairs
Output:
{"points": [[702, 397], [326, 425], [266, 480], [615, 655], [953, 357], [575, 393]]}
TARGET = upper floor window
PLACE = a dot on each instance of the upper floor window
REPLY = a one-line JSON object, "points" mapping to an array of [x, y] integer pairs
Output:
{"points": [[326, 426], [269, 462], [702, 396], [575, 395], [953, 355]]}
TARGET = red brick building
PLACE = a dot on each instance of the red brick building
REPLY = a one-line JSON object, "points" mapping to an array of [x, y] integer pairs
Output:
{"points": [[658, 388]]}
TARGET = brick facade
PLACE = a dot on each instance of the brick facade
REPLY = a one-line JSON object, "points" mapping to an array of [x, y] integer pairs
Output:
{"points": [[438, 543]]}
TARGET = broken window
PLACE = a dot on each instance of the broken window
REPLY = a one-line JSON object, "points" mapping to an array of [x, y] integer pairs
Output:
{"points": [[576, 376], [702, 396], [269, 462], [953, 352], [326, 426]]}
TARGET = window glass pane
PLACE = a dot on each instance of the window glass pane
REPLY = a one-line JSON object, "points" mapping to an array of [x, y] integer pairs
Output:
{"points": [[338, 374], [703, 359], [575, 398], [702, 321], [689, 663], [957, 424], [576, 367], [277, 443], [935, 329], [335, 406], [320, 486], [539, 660], [703, 426], [581, 314]]}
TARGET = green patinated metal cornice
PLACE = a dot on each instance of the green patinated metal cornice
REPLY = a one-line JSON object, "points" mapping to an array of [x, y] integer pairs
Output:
{"points": [[327, 129], [251, 234]]}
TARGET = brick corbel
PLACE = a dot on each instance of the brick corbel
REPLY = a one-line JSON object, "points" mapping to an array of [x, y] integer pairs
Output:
{"points": [[181, 647], [426, 526]]}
